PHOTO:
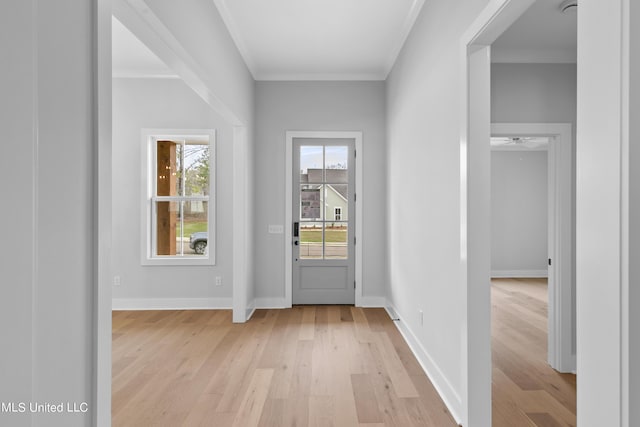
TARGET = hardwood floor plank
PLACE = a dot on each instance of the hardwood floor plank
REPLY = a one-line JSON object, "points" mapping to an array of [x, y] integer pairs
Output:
{"points": [[321, 411], [400, 379], [365, 398], [253, 401], [523, 382], [308, 323], [542, 419]]}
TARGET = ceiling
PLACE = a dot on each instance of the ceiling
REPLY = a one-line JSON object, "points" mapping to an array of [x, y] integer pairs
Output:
{"points": [[131, 58], [542, 34], [345, 39], [319, 39]]}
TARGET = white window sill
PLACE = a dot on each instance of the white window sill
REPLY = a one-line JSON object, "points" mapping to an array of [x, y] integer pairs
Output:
{"points": [[178, 261]]}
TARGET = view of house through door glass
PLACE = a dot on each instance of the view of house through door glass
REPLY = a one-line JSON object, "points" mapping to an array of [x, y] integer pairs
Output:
{"points": [[323, 267]]}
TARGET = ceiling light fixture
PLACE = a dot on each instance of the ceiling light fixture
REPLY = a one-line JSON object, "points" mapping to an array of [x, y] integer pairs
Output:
{"points": [[569, 6]]}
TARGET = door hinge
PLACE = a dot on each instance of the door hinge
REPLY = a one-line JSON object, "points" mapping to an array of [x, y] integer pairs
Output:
{"points": [[354, 284], [549, 261], [354, 240], [354, 197], [354, 153]]}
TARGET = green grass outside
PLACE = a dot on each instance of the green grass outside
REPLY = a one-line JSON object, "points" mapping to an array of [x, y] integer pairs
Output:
{"points": [[315, 236], [191, 227]]}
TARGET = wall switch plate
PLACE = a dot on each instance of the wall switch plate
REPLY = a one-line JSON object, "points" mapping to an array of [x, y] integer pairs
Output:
{"points": [[421, 317], [276, 229], [116, 280], [218, 281]]}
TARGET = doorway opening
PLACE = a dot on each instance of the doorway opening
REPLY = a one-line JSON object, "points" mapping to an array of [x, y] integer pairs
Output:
{"points": [[530, 295], [475, 132]]}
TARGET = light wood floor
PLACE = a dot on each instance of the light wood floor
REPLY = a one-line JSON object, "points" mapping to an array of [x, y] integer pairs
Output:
{"points": [[526, 391], [317, 366]]}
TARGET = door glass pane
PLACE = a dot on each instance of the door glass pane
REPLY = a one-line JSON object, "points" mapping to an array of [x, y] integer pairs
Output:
{"points": [[336, 164], [310, 246], [335, 245], [311, 163], [336, 207], [196, 169], [311, 198]]}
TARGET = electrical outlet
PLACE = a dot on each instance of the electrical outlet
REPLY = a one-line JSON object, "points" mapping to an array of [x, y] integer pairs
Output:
{"points": [[116, 280], [218, 281]]}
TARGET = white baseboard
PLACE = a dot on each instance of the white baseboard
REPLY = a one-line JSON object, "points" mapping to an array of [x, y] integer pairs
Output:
{"points": [[270, 303], [251, 308], [373, 302], [518, 274], [171, 303], [448, 394]]}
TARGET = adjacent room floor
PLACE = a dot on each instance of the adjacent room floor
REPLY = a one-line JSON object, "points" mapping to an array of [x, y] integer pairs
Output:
{"points": [[526, 390]]}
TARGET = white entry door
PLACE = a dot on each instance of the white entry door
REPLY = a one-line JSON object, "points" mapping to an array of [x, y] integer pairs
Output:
{"points": [[323, 221]]}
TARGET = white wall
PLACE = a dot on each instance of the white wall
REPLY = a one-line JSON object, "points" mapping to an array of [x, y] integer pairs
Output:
{"points": [[317, 106], [607, 126], [634, 217], [165, 104], [47, 245], [423, 93], [519, 213], [198, 27]]}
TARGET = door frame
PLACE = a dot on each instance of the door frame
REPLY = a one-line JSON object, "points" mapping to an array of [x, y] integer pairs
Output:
{"points": [[475, 216], [288, 221], [560, 355]]}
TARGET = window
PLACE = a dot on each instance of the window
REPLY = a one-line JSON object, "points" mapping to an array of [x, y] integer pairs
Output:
{"points": [[178, 198], [337, 213]]}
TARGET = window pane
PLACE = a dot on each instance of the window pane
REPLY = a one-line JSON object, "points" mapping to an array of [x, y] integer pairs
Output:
{"points": [[196, 235], [336, 164], [167, 221], [196, 169], [311, 164], [335, 236], [336, 207], [182, 228], [168, 154], [311, 198], [310, 246]]}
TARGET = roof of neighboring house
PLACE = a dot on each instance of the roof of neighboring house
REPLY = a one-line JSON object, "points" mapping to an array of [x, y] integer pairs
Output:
{"points": [[334, 177]]}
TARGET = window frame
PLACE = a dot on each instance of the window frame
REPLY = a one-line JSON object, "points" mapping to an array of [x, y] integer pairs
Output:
{"points": [[149, 138]]}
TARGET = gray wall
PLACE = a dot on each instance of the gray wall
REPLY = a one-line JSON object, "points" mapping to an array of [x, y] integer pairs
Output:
{"points": [[518, 212], [46, 256], [165, 104], [317, 106]]}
